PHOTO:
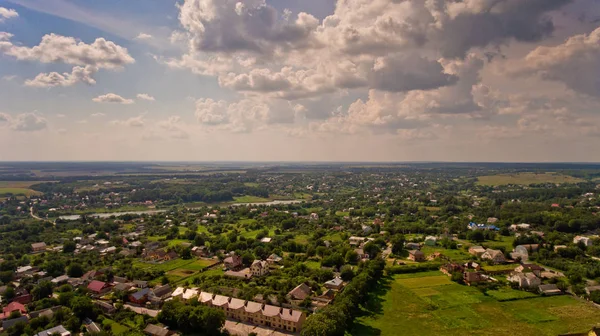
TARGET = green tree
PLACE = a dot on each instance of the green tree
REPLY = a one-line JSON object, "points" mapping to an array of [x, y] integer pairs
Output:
{"points": [[69, 246], [75, 270], [42, 291]]}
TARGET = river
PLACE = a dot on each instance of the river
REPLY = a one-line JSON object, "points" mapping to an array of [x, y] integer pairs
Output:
{"points": [[154, 212], [109, 214]]}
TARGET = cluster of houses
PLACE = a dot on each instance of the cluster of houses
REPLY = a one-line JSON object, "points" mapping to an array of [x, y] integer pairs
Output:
{"points": [[255, 313]]}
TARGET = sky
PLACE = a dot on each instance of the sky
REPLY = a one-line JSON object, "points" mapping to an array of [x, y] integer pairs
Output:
{"points": [[300, 80]]}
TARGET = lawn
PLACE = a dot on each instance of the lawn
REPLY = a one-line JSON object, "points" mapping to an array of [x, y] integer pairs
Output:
{"points": [[199, 265], [301, 239], [526, 179], [166, 266], [429, 303], [18, 192], [116, 328], [250, 199], [313, 264], [455, 255]]}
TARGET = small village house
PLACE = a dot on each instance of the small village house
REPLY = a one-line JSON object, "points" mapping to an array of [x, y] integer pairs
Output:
{"points": [[259, 268], [416, 255]]}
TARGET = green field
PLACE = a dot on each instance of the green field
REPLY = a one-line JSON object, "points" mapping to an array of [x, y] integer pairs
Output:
{"points": [[116, 328], [250, 199], [18, 192], [526, 179], [430, 304]]}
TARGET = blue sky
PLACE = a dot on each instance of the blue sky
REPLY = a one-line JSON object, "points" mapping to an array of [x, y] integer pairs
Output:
{"points": [[373, 80]]}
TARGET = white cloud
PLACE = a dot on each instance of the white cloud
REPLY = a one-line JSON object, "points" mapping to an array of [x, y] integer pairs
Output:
{"points": [[28, 122], [98, 115], [144, 36], [7, 13], [173, 128], [60, 115], [145, 96], [112, 98], [9, 78], [575, 63], [52, 79], [88, 58], [4, 117], [135, 122]]}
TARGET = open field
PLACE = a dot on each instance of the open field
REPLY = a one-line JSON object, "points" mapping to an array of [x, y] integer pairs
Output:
{"points": [[430, 304], [526, 179], [18, 191], [250, 199]]}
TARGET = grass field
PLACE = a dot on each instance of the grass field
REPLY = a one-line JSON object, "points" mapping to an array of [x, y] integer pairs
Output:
{"points": [[116, 328], [250, 199], [430, 304], [19, 188], [526, 179]]}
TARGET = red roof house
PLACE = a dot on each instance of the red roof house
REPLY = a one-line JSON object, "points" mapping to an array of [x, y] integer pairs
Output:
{"points": [[12, 307], [99, 287]]}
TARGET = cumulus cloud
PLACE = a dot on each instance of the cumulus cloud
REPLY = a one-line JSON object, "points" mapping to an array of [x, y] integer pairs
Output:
{"points": [[173, 128], [97, 115], [144, 36], [52, 79], [7, 13], [4, 117], [575, 63], [112, 98], [145, 96], [135, 122], [28, 122], [87, 58]]}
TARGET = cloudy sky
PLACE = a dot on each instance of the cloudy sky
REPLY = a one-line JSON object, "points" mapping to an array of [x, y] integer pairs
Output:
{"points": [[300, 80]]}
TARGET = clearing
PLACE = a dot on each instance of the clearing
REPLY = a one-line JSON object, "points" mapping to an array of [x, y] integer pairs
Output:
{"points": [[526, 179], [429, 303]]}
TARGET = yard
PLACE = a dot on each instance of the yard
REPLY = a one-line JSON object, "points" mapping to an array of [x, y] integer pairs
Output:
{"points": [[429, 303]]}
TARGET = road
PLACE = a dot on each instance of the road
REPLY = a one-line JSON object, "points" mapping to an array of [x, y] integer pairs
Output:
{"points": [[34, 215]]}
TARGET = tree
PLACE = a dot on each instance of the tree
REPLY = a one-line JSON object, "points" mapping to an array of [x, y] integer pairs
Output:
{"points": [[397, 244], [347, 273], [69, 246], [42, 291], [476, 236], [82, 307], [372, 249], [55, 268], [75, 270], [191, 319]]}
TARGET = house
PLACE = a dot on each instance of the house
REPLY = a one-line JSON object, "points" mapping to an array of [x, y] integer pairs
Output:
{"points": [[140, 297], [38, 247], [99, 287], [233, 262], [200, 251], [190, 294], [256, 313], [6, 324], [361, 254], [336, 284], [430, 241], [13, 307], [524, 280], [495, 256], [266, 240], [106, 307], [366, 229], [530, 268], [159, 294], [522, 251], [477, 251], [301, 292], [274, 259], [518, 227], [25, 270], [140, 283], [123, 287], [259, 268], [412, 246], [450, 268], [416, 255], [60, 330], [475, 226], [549, 290], [590, 289], [60, 280], [154, 330], [178, 292], [91, 275], [356, 240], [474, 277], [118, 279], [559, 247], [244, 274], [584, 240]]}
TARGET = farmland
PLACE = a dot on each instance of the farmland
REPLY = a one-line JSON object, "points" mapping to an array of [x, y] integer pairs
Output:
{"points": [[18, 188], [430, 304], [526, 179]]}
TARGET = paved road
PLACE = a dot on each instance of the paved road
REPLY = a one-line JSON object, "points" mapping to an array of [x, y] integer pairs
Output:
{"points": [[143, 311], [34, 215]]}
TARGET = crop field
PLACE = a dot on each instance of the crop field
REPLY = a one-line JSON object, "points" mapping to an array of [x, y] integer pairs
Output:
{"points": [[429, 303], [19, 188], [526, 179]]}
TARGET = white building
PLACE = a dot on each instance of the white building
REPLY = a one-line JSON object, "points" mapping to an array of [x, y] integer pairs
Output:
{"points": [[259, 268]]}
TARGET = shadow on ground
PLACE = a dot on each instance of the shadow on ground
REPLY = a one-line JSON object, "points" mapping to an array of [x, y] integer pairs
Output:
{"points": [[373, 307]]}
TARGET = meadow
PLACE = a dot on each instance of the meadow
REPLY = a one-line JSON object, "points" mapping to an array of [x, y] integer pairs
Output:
{"points": [[526, 179], [429, 303], [19, 188]]}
